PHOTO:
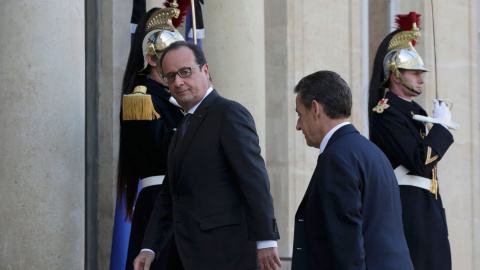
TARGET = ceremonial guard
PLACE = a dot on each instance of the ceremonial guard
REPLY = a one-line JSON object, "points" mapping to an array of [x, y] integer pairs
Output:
{"points": [[149, 118], [414, 148]]}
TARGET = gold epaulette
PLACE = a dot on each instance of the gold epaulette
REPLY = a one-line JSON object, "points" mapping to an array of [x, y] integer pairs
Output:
{"points": [[138, 105], [381, 106]]}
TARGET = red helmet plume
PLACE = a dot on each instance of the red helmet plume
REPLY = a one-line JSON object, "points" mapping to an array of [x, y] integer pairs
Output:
{"points": [[405, 22], [183, 7]]}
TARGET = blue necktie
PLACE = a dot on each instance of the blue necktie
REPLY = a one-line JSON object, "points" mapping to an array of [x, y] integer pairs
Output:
{"points": [[184, 125], [181, 128]]}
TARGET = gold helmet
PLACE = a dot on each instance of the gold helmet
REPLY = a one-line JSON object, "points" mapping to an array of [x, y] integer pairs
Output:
{"points": [[401, 53], [160, 32]]}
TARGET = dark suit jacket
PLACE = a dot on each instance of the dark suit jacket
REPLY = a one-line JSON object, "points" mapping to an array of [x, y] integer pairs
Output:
{"points": [[350, 216], [217, 192]]}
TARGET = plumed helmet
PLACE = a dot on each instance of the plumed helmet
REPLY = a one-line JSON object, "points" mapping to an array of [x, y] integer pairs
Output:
{"points": [[159, 40], [401, 53], [160, 32]]}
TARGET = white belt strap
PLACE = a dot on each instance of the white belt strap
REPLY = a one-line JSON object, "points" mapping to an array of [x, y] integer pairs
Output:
{"points": [[400, 172], [152, 180], [411, 180]]}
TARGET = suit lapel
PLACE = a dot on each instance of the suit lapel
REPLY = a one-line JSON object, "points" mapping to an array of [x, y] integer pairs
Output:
{"points": [[300, 210], [195, 122]]}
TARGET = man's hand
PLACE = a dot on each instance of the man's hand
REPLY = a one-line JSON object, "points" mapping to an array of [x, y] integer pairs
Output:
{"points": [[441, 111], [143, 260], [268, 258]]}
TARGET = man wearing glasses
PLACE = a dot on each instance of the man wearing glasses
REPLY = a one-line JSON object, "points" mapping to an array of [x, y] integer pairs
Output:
{"points": [[217, 192]]}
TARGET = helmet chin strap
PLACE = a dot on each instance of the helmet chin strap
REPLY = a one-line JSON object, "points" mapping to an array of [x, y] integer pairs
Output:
{"points": [[398, 74], [413, 90]]}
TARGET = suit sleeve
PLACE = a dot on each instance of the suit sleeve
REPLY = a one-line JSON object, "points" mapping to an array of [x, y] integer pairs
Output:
{"points": [[392, 135], [239, 140], [159, 227], [340, 205]]}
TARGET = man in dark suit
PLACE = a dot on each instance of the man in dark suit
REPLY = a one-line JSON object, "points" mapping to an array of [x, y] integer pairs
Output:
{"points": [[216, 193], [350, 216]]}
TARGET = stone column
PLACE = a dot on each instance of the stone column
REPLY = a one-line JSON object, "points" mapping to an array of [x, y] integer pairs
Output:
{"points": [[114, 43], [42, 120], [280, 107], [235, 50], [303, 37]]}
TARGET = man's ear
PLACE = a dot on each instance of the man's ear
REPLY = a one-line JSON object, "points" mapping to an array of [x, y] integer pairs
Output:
{"points": [[150, 60], [316, 108], [394, 78], [205, 69]]}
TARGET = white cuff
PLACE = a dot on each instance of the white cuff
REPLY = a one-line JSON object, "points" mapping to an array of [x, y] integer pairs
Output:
{"points": [[147, 249], [266, 244]]}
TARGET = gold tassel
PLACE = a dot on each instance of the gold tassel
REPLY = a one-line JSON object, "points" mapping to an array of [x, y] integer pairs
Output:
{"points": [[434, 186], [138, 105]]}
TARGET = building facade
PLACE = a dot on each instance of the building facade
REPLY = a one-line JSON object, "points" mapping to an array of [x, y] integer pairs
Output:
{"points": [[62, 64]]}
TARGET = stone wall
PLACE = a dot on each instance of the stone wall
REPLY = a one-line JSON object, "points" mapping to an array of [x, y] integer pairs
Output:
{"points": [[42, 131]]}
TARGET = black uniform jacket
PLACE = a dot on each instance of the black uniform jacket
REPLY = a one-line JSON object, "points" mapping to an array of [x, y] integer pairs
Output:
{"points": [[350, 216], [146, 147], [217, 193], [405, 142], [147, 142]]}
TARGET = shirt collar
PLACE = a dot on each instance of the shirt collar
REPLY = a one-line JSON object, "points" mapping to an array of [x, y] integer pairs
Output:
{"points": [[327, 137], [192, 110], [408, 100]]}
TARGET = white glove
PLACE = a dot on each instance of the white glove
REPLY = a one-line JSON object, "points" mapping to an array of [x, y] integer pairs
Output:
{"points": [[441, 111]]}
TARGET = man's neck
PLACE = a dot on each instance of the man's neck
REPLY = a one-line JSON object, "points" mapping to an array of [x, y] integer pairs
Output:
{"points": [[400, 94], [194, 107], [156, 76], [408, 100], [333, 125]]}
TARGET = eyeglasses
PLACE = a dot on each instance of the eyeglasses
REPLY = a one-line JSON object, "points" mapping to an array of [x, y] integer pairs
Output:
{"points": [[183, 73]]}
